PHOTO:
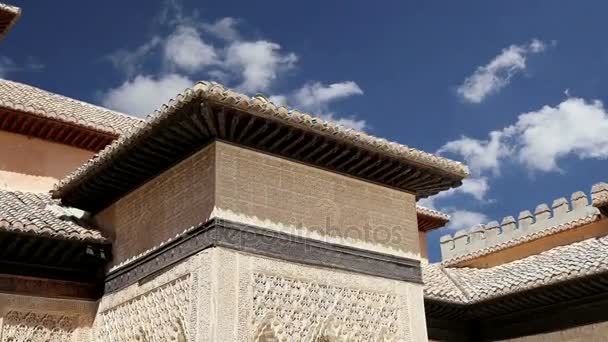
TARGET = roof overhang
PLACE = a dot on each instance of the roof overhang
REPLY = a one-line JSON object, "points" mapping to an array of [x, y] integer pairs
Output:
{"points": [[209, 112], [53, 130], [8, 18], [429, 219]]}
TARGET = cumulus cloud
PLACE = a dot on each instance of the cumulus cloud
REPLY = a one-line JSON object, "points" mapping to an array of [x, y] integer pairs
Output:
{"points": [[575, 127], [130, 60], [186, 50], [315, 97], [258, 62], [144, 94], [224, 28], [480, 155], [191, 48], [461, 219], [538, 139], [492, 77]]}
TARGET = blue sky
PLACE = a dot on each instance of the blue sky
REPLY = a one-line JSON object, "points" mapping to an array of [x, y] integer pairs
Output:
{"points": [[436, 75]]}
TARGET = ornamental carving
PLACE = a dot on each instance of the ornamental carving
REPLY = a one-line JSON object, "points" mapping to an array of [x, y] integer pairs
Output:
{"points": [[296, 310], [161, 315], [37, 327]]}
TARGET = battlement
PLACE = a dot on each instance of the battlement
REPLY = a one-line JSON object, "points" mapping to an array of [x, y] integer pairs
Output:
{"points": [[492, 234]]}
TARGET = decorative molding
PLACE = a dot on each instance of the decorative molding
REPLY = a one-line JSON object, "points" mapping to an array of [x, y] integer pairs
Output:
{"points": [[38, 327], [162, 314], [293, 309], [260, 241]]}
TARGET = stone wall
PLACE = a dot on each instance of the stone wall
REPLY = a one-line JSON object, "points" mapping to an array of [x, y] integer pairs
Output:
{"points": [[221, 295], [177, 199], [35, 165], [276, 193], [234, 183], [37, 319], [483, 237]]}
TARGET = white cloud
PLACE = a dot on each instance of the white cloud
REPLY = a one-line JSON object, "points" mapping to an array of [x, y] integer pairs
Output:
{"points": [[574, 127], [144, 94], [497, 74], [538, 139], [130, 61], [315, 97], [461, 219], [480, 155], [258, 62], [185, 49], [224, 28]]}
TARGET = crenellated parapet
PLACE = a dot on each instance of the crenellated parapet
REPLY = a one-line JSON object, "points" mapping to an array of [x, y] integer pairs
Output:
{"points": [[494, 234]]}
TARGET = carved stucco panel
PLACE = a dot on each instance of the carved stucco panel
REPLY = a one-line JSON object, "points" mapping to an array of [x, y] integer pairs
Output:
{"points": [[287, 309], [21, 326], [162, 314]]}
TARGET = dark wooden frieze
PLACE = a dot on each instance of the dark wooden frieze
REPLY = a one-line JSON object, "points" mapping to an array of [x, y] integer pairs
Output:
{"points": [[264, 242]]}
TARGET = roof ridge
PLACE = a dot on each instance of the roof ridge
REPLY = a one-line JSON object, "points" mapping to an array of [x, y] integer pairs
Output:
{"points": [[88, 104], [457, 282]]}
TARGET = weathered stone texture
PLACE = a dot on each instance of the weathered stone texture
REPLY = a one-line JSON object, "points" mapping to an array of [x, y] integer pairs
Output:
{"points": [[223, 295], [177, 199], [275, 192], [37, 319], [251, 187]]}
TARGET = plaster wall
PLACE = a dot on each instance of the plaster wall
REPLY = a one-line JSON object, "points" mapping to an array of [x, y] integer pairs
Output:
{"points": [[35, 165], [223, 295], [276, 193], [38, 319]]}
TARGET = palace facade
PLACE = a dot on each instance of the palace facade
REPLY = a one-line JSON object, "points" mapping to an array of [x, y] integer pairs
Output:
{"points": [[223, 217]]}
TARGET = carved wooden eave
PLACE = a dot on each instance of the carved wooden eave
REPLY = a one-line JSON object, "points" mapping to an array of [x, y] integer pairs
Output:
{"points": [[8, 17], [52, 258], [53, 130], [211, 112], [560, 299], [429, 219]]}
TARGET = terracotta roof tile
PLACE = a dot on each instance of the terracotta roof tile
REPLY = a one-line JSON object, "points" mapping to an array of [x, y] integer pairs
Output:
{"points": [[420, 210], [467, 285], [262, 108], [38, 214], [25, 98]]}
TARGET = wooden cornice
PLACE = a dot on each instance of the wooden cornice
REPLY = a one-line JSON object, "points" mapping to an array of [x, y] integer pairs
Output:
{"points": [[53, 130]]}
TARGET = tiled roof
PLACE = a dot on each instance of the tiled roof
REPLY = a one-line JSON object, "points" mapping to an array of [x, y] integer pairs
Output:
{"points": [[25, 98], [262, 108], [420, 210], [38, 214], [467, 285], [8, 16]]}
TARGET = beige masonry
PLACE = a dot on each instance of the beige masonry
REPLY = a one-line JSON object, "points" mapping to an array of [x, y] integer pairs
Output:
{"points": [[251, 187], [35, 165], [220, 295], [27, 318]]}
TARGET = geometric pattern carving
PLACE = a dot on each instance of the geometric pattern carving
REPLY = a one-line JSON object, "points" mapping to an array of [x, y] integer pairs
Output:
{"points": [[35, 327], [159, 315], [287, 309]]}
